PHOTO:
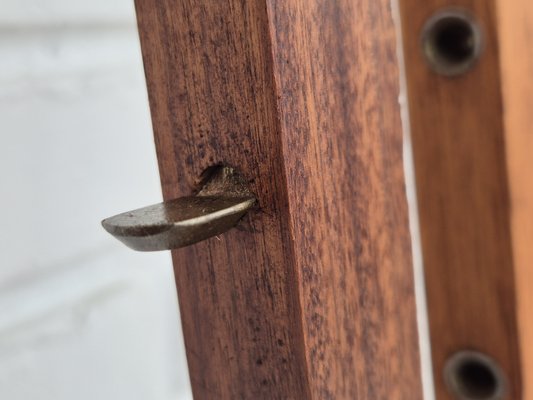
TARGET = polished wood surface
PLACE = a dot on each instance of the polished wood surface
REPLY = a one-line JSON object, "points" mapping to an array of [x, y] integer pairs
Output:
{"points": [[472, 148], [312, 296]]}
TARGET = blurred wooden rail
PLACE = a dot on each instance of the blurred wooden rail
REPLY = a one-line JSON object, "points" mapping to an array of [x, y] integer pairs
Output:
{"points": [[473, 147]]}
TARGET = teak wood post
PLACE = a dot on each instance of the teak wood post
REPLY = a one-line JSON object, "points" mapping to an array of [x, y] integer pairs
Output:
{"points": [[311, 297], [472, 139]]}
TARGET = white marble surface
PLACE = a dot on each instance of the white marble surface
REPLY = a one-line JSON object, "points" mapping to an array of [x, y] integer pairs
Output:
{"points": [[81, 316]]}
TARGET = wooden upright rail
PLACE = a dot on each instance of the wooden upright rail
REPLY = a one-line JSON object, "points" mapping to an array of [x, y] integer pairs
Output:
{"points": [[312, 297], [472, 136]]}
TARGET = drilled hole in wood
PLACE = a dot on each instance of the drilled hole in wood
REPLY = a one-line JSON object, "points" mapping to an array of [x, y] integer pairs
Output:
{"points": [[474, 376], [451, 42]]}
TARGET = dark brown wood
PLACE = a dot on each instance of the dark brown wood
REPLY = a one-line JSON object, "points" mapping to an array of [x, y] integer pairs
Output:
{"points": [[466, 132], [312, 298]]}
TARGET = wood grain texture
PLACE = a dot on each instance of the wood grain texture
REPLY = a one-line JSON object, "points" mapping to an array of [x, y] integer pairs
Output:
{"points": [[312, 297], [472, 149]]}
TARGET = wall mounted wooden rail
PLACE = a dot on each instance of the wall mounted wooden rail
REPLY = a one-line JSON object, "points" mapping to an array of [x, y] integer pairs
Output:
{"points": [[473, 147], [312, 297]]}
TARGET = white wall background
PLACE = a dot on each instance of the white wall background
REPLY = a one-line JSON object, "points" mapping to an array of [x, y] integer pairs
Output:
{"points": [[81, 316]]}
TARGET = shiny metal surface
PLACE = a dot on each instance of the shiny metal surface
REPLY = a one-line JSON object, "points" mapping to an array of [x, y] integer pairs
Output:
{"points": [[222, 202]]}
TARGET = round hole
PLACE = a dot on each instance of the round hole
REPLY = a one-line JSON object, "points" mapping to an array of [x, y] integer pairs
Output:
{"points": [[474, 376], [451, 42]]}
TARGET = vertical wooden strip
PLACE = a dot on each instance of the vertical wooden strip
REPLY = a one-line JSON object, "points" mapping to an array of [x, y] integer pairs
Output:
{"points": [[459, 142], [515, 34], [338, 99], [212, 95], [311, 297]]}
